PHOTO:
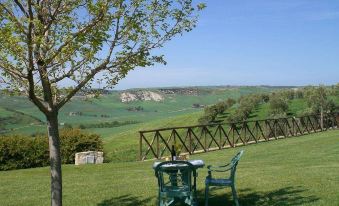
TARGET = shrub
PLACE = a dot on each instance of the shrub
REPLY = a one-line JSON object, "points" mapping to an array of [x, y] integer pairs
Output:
{"points": [[18, 152], [74, 140]]}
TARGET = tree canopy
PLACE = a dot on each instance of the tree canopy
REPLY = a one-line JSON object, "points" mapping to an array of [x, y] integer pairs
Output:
{"points": [[48, 43]]}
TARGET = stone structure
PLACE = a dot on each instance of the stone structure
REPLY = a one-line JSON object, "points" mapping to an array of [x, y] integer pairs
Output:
{"points": [[89, 157]]}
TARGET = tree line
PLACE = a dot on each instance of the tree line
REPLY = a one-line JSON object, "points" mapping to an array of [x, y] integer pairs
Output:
{"points": [[319, 100]]}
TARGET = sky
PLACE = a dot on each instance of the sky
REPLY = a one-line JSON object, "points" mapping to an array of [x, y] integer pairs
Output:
{"points": [[251, 42]]}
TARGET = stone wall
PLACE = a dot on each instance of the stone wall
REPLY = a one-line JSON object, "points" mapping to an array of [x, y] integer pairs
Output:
{"points": [[89, 157]]}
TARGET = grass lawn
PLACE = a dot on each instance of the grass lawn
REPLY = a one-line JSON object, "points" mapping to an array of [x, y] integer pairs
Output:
{"points": [[293, 171]]}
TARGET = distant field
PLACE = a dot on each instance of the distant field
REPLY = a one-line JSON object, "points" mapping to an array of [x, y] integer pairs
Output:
{"points": [[109, 108], [298, 171]]}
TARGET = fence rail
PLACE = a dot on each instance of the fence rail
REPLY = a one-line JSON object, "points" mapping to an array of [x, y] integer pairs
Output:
{"points": [[203, 138]]}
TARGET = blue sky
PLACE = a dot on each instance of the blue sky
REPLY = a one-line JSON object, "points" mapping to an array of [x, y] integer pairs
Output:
{"points": [[251, 42]]}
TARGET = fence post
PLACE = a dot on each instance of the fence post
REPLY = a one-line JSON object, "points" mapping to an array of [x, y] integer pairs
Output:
{"points": [[220, 141], [158, 145], [190, 139], [140, 146], [245, 132], [275, 129], [205, 132], [233, 130]]}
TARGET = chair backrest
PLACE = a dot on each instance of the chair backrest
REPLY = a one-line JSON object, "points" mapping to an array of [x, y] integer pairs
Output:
{"points": [[176, 175], [234, 163]]}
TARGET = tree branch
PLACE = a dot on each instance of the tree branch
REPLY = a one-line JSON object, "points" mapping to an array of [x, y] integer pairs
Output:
{"points": [[21, 8], [82, 84], [92, 24], [11, 69], [13, 18], [53, 16], [70, 72]]}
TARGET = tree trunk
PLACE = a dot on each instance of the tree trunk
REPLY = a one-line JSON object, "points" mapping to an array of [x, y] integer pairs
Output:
{"points": [[55, 159], [321, 118]]}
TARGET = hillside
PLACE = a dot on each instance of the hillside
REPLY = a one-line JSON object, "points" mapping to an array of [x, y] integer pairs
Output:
{"points": [[109, 107], [12, 120]]}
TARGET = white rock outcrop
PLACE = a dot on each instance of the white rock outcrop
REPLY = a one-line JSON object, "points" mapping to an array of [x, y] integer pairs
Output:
{"points": [[140, 95], [89, 157], [128, 97]]}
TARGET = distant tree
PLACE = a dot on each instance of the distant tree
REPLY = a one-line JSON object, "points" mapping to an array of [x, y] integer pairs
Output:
{"points": [[45, 43], [210, 114], [278, 105], [230, 102], [206, 118], [336, 90], [288, 94], [247, 104], [211, 110], [221, 107], [319, 102], [299, 94], [265, 98]]}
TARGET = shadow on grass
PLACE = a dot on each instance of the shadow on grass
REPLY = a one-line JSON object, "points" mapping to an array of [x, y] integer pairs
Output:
{"points": [[224, 115], [127, 200], [217, 121], [288, 196], [252, 116]]}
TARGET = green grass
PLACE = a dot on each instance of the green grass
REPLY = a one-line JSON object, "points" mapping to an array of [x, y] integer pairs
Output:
{"points": [[287, 172]]}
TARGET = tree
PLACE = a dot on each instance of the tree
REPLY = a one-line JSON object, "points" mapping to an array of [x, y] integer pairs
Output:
{"points": [[317, 100], [230, 102], [265, 98], [278, 105], [220, 107], [247, 104], [47, 43], [336, 90]]}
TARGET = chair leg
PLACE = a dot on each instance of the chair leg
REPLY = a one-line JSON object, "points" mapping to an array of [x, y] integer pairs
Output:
{"points": [[195, 198], [206, 195], [159, 202], [235, 196], [192, 200]]}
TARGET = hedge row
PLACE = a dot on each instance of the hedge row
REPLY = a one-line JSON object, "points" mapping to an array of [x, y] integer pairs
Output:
{"points": [[19, 152]]}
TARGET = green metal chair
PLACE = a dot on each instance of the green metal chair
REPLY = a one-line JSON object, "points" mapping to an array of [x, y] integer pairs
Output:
{"points": [[177, 182], [229, 182]]}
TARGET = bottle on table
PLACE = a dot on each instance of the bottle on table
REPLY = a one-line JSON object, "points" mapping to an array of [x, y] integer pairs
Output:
{"points": [[173, 154]]}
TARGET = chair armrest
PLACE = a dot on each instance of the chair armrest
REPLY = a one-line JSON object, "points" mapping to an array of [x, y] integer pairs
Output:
{"points": [[223, 168]]}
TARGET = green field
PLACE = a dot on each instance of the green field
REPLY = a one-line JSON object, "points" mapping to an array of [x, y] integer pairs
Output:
{"points": [[172, 105], [293, 171]]}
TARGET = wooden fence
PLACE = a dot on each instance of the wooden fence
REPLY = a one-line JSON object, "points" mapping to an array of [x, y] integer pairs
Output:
{"points": [[157, 143]]}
